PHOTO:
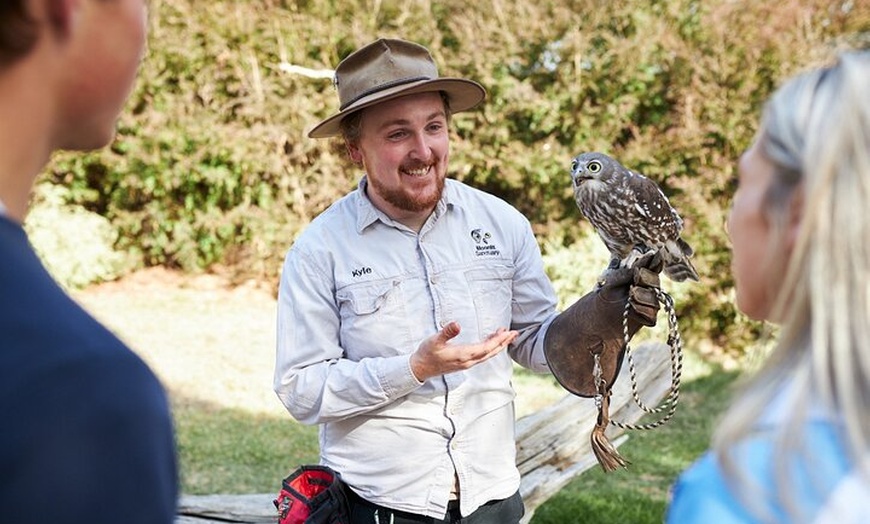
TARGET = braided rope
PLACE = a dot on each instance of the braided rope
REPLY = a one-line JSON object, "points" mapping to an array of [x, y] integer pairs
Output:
{"points": [[676, 349]]}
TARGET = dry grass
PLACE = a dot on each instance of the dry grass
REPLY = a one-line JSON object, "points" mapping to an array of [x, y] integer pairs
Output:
{"points": [[214, 343], [206, 341]]}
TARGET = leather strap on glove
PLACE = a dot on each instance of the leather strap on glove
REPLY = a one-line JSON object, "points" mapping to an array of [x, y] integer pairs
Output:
{"points": [[585, 345]]}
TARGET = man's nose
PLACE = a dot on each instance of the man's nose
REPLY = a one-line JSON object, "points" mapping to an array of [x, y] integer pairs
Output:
{"points": [[420, 147]]}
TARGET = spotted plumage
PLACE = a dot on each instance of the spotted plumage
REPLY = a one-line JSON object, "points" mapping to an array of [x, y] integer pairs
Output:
{"points": [[630, 213]]}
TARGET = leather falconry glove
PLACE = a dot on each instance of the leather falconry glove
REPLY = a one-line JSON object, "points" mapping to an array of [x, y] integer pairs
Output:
{"points": [[585, 344]]}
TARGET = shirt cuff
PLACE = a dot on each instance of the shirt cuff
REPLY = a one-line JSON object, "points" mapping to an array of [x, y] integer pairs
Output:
{"points": [[396, 376]]}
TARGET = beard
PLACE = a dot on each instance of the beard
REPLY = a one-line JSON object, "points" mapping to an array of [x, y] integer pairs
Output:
{"points": [[406, 201]]}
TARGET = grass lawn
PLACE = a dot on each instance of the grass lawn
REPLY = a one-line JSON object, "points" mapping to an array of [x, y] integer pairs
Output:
{"points": [[639, 494], [213, 347]]}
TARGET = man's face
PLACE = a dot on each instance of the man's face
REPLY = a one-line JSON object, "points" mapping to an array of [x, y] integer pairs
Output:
{"points": [[404, 146], [107, 40]]}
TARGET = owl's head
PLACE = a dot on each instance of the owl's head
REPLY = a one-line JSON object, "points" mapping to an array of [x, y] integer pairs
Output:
{"points": [[592, 170]]}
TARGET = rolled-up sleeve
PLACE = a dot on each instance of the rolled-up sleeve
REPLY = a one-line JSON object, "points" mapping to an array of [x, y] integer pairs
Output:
{"points": [[533, 303]]}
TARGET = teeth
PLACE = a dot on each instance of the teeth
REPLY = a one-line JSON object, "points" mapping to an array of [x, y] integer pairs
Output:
{"points": [[417, 172]]}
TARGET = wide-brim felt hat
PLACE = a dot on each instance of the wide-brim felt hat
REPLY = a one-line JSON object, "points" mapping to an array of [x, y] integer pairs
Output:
{"points": [[387, 69]]}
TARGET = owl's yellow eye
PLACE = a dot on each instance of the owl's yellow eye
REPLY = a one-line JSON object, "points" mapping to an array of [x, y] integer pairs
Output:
{"points": [[594, 166], [573, 166]]}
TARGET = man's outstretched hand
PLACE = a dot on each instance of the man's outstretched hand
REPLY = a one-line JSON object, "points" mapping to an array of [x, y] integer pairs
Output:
{"points": [[437, 356]]}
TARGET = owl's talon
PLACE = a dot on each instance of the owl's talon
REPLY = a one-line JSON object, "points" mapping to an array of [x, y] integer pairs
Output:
{"points": [[633, 257]]}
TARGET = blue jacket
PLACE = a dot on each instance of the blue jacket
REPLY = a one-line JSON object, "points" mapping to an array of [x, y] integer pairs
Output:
{"points": [[85, 428], [828, 488]]}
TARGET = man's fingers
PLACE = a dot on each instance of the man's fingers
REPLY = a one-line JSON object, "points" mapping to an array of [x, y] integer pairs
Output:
{"points": [[502, 337], [492, 346], [449, 331], [437, 356]]}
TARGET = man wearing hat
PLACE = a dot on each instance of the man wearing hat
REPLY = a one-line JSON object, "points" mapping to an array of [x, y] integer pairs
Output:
{"points": [[397, 303]]}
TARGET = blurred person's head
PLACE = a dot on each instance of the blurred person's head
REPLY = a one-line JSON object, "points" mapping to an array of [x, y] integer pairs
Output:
{"points": [[81, 56], [801, 258], [66, 70]]}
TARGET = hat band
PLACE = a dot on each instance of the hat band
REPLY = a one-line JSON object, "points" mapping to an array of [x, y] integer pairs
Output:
{"points": [[382, 87]]}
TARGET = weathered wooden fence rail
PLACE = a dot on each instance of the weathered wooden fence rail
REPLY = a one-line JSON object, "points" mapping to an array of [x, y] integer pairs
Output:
{"points": [[553, 446]]}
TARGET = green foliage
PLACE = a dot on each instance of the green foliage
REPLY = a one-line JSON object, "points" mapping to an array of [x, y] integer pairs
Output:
{"points": [[211, 164], [76, 246], [574, 269]]}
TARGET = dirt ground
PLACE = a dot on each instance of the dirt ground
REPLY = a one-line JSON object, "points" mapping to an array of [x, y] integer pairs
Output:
{"points": [[206, 339], [212, 341]]}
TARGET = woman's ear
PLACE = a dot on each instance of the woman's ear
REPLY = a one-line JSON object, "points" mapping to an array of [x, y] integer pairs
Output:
{"points": [[795, 217]]}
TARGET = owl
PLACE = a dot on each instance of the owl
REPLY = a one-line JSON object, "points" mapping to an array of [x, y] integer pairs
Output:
{"points": [[631, 214]]}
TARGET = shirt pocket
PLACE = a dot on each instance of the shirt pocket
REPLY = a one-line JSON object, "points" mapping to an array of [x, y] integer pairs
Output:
{"points": [[491, 290], [372, 320]]}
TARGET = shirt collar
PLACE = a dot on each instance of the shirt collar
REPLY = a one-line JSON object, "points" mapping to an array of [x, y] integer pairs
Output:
{"points": [[369, 214], [2, 209]]}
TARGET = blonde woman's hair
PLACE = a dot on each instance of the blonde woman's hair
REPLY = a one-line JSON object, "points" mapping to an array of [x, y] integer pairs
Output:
{"points": [[816, 131]]}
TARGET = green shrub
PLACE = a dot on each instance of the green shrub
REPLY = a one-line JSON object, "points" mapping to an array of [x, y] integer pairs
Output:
{"points": [[76, 246], [211, 164]]}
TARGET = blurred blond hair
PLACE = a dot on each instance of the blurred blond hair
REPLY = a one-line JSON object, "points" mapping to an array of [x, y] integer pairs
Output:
{"points": [[816, 131]]}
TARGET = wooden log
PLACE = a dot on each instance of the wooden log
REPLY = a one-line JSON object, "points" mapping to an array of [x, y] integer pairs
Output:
{"points": [[553, 446], [250, 509]]}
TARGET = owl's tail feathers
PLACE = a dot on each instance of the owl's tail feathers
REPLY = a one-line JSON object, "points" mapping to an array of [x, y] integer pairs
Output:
{"points": [[678, 267], [681, 270]]}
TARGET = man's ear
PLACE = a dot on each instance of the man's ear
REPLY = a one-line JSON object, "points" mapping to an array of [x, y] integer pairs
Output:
{"points": [[354, 152], [61, 15]]}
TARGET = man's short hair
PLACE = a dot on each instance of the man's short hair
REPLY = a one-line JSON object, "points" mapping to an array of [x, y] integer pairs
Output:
{"points": [[350, 125], [18, 31]]}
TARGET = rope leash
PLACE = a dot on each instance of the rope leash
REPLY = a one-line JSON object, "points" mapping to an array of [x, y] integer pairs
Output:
{"points": [[676, 349]]}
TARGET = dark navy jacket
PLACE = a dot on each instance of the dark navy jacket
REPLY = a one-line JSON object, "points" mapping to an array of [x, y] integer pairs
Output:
{"points": [[85, 428]]}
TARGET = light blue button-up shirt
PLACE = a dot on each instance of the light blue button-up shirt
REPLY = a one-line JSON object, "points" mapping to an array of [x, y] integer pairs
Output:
{"points": [[359, 292]]}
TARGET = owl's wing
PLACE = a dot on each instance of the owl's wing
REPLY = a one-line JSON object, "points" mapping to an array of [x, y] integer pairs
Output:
{"points": [[652, 203]]}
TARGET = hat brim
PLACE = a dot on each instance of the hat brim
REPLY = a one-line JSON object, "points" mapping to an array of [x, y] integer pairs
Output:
{"points": [[462, 94]]}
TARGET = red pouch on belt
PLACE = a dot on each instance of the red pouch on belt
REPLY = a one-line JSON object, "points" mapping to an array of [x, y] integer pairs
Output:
{"points": [[312, 495]]}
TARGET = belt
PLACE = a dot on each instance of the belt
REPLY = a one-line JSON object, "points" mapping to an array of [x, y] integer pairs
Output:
{"points": [[383, 512]]}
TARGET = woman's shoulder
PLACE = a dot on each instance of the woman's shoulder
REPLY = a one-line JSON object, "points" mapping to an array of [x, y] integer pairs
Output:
{"points": [[701, 494], [823, 477]]}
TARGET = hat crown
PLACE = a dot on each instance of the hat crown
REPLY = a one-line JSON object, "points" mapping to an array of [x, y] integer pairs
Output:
{"points": [[380, 65], [387, 69]]}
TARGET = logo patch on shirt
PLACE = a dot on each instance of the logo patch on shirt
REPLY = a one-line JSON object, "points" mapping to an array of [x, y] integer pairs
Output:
{"points": [[483, 243]]}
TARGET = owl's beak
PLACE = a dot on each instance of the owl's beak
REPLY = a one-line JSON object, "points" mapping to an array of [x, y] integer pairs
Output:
{"points": [[580, 179]]}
